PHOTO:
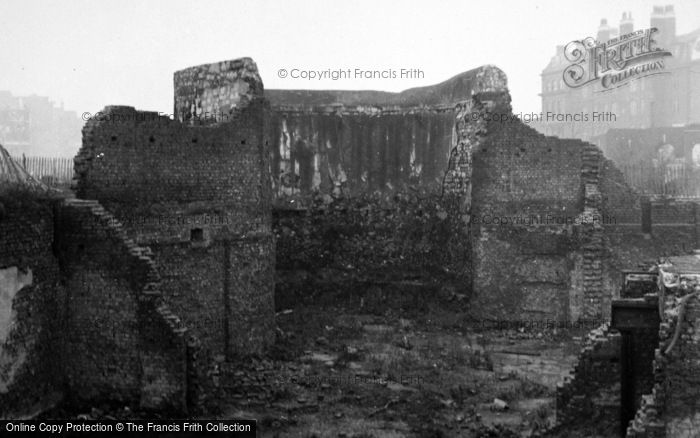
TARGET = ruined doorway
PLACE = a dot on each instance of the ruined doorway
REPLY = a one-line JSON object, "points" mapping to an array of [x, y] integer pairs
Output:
{"points": [[627, 381]]}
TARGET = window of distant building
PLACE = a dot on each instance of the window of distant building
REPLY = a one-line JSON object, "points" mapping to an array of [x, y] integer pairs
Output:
{"points": [[633, 107], [676, 106], [197, 235]]}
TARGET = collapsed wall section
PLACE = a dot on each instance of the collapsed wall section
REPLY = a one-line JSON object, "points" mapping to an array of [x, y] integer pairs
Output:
{"points": [[212, 93], [535, 223], [591, 393], [384, 191], [550, 208], [412, 246], [534, 202]]}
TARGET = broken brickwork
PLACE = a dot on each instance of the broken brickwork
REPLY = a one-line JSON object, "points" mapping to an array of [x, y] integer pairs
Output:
{"points": [[370, 243], [374, 187], [362, 141], [90, 323], [592, 392], [122, 342], [166, 257], [671, 408], [533, 207], [386, 188], [537, 220], [650, 354], [197, 194], [212, 93], [30, 336]]}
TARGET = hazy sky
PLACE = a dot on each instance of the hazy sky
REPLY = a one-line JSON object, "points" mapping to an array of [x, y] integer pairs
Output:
{"points": [[89, 54]]}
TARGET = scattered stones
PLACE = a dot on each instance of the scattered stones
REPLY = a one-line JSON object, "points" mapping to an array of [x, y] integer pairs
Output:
{"points": [[405, 343], [499, 405]]}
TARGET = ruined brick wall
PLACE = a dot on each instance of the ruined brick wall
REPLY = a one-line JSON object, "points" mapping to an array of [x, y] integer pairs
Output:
{"points": [[212, 93], [552, 208], [667, 212], [671, 408], [526, 225], [121, 342], [362, 141], [682, 406], [417, 229], [162, 178], [674, 230], [90, 324], [190, 191], [32, 316], [349, 143], [375, 240], [591, 395], [522, 172], [358, 150], [619, 201]]}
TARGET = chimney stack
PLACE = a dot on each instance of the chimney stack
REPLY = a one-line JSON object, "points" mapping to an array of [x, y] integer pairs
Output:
{"points": [[664, 19], [603, 31], [626, 24]]}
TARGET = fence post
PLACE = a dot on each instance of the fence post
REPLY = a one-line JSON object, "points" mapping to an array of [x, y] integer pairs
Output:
{"points": [[695, 223], [646, 215]]}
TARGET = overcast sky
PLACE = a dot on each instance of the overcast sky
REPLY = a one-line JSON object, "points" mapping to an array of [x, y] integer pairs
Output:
{"points": [[89, 54]]}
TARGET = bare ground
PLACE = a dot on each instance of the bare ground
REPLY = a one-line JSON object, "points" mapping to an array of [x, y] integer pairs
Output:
{"points": [[363, 371]]}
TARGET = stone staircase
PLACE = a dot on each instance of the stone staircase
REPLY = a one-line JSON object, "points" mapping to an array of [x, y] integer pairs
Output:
{"points": [[146, 279]]}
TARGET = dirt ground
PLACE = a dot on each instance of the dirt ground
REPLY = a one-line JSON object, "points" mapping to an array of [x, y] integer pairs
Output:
{"points": [[349, 370]]}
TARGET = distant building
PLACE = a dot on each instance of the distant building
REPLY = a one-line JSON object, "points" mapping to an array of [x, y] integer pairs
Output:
{"points": [[663, 100], [33, 125]]}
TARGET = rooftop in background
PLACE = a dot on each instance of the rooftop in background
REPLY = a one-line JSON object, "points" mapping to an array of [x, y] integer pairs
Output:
{"points": [[35, 125]]}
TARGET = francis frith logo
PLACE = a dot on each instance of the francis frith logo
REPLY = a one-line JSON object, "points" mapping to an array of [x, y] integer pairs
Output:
{"points": [[613, 63]]}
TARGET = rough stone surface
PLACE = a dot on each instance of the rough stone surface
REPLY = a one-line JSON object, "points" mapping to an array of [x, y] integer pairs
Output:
{"points": [[30, 375]]}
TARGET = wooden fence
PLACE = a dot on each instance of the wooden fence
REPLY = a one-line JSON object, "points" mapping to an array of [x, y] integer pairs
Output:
{"points": [[50, 170], [676, 180]]}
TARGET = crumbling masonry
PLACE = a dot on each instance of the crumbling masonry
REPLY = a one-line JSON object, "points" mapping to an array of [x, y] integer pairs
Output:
{"points": [[163, 267]]}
